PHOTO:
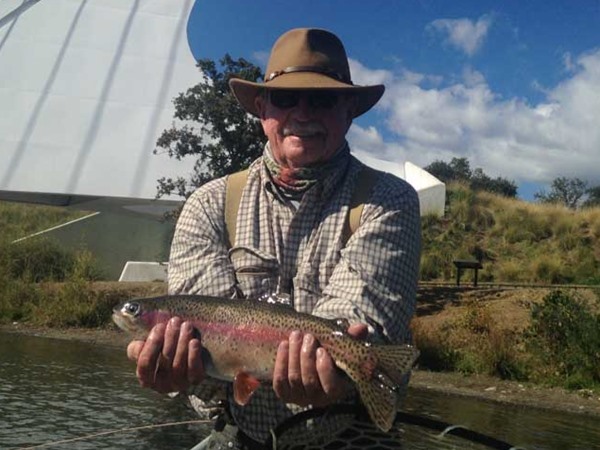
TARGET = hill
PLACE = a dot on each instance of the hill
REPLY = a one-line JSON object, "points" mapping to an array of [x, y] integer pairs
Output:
{"points": [[18, 220], [517, 241]]}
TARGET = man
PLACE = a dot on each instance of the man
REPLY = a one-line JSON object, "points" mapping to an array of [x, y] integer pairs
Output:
{"points": [[291, 241]]}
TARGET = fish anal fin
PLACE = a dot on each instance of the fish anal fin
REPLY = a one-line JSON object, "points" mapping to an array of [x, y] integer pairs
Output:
{"points": [[380, 403], [395, 360], [244, 386], [386, 374]]}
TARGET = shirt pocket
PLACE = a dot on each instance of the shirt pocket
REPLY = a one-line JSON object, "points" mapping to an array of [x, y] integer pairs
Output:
{"points": [[256, 272], [307, 292]]}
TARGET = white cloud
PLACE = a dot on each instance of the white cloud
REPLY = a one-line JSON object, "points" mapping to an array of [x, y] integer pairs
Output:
{"points": [[559, 136], [261, 58], [463, 34]]}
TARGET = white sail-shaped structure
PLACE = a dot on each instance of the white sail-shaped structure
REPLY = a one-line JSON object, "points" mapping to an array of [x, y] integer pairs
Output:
{"points": [[86, 88]]}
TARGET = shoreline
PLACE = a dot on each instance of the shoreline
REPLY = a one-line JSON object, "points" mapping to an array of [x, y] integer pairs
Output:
{"points": [[480, 387]]}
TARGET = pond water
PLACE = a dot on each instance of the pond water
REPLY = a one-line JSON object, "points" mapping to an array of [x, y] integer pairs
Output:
{"points": [[53, 390]]}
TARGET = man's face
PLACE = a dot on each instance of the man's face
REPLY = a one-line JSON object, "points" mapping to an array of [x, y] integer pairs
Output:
{"points": [[305, 127]]}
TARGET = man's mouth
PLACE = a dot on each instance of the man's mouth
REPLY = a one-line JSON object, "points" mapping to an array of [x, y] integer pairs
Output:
{"points": [[304, 131]]}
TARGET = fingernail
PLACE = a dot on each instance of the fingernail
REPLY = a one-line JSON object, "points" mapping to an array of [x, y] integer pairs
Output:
{"points": [[320, 353], [175, 322], [186, 327], [307, 341], [295, 336]]}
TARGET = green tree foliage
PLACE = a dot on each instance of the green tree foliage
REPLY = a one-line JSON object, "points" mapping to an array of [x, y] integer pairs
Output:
{"points": [[216, 129], [565, 191], [459, 169], [565, 333]]}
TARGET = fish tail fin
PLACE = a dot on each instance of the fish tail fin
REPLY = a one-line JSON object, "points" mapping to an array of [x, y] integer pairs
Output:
{"points": [[379, 393]]}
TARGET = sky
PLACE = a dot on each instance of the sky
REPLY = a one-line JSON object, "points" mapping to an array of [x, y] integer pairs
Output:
{"points": [[513, 86]]}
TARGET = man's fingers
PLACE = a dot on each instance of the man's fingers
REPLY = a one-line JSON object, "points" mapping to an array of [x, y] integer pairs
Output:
{"points": [[294, 367], [310, 377], [195, 372], [329, 377], [171, 338], [358, 330], [148, 357], [134, 349], [281, 385], [180, 360]]}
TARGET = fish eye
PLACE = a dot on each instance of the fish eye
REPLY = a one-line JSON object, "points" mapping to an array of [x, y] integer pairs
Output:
{"points": [[131, 308]]}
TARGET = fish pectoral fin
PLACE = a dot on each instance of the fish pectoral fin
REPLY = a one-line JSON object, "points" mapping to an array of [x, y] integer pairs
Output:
{"points": [[244, 386]]}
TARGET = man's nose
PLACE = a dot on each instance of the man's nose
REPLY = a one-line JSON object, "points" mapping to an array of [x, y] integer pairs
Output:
{"points": [[304, 107]]}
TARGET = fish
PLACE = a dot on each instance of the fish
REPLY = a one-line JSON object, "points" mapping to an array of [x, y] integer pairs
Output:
{"points": [[240, 338]]}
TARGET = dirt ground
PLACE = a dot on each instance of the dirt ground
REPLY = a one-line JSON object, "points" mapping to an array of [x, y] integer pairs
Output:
{"points": [[509, 306]]}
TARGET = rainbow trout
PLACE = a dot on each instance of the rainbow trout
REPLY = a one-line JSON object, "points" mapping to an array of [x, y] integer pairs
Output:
{"points": [[240, 340]]}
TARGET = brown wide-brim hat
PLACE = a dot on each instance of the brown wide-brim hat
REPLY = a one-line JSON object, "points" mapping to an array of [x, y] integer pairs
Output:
{"points": [[307, 59]]}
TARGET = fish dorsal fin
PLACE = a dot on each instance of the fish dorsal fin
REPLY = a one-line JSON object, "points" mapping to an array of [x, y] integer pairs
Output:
{"points": [[244, 386]]}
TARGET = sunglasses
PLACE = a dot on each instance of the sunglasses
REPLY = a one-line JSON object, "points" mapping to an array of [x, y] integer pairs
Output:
{"points": [[283, 99]]}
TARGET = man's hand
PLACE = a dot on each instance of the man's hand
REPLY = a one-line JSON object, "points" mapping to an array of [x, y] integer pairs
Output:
{"points": [[305, 374], [169, 359]]}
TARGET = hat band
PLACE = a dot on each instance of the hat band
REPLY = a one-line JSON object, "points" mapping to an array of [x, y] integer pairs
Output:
{"points": [[330, 73]]}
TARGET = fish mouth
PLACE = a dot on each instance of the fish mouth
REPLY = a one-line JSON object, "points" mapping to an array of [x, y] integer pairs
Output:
{"points": [[125, 323]]}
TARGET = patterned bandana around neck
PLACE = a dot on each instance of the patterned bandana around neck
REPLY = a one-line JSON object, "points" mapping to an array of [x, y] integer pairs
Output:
{"points": [[298, 181]]}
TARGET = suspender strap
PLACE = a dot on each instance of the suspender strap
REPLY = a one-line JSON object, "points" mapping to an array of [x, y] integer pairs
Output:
{"points": [[233, 195], [237, 181], [364, 185]]}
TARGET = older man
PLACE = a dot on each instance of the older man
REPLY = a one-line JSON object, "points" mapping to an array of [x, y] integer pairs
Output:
{"points": [[292, 240]]}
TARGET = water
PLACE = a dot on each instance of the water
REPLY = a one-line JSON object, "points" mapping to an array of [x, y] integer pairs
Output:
{"points": [[52, 390]]}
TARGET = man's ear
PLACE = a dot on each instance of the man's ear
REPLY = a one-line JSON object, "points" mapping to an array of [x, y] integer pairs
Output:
{"points": [[351, 109], [260, 102], [352, 105]]}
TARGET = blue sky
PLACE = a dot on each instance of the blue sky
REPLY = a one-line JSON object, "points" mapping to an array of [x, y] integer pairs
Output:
{"points": [[514, 86]]}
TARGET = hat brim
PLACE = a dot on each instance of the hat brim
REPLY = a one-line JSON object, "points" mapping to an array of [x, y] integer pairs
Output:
{"points": [[246, 91]]}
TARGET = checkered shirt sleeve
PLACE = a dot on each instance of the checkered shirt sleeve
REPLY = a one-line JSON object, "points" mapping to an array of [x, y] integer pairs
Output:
{"points": [[375, 280], [199, 261]]}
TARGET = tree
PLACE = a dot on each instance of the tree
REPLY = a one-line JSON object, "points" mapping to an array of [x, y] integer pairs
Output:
{"points": [[565, 191], [459, 169], [227, 139], [593, 197], [501, 186]]}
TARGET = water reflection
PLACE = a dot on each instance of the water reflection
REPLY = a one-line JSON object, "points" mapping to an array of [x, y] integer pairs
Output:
{"points": [[52, 390]]}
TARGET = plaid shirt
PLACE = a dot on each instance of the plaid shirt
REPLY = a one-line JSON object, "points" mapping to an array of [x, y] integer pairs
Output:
{"points": [[297, 249]]}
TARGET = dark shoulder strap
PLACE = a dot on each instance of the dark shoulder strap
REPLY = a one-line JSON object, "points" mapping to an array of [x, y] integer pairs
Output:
{"points": [[237, 181], [233, 195], [364, 185]]}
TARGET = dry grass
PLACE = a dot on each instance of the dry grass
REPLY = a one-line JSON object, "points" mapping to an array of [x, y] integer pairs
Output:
{"points": [[519, 241]]}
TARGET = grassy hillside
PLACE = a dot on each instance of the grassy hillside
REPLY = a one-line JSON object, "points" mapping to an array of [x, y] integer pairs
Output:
{"points": [[518, 241], [19, 220]]}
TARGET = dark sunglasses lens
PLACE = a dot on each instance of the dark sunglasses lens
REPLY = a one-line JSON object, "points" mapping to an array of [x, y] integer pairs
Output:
{"points": [[323, 100], [284, 99], [317, 100]]}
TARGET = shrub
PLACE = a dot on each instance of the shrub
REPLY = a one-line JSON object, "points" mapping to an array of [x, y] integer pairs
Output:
{"points": [[39, 260], [565, 337], [471, 343]]}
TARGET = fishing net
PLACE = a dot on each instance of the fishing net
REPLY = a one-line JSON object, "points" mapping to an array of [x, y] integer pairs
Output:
{"points": [[354, 430]]}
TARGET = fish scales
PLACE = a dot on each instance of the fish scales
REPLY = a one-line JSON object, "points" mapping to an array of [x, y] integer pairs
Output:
{"points": [[240, 340]]}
